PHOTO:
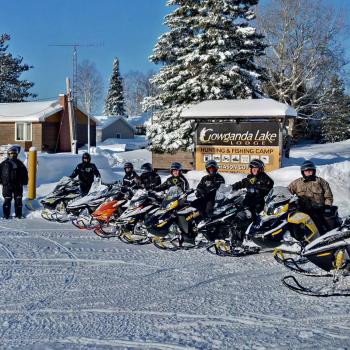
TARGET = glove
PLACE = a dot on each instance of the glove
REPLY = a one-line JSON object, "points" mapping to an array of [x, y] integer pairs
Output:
{"points": [[251, 190], [327, 210]]}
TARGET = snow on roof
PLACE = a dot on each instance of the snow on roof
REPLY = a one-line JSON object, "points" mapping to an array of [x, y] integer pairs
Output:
{"points": [[28, 111], [105, 121], [139, 119], [263, 108]]}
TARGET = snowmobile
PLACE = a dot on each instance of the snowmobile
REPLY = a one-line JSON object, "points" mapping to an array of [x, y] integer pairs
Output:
{"points": [[330, 253], [281, 224], [104, 217], [131, 221], [56, 202], [164, 225], [224, 228], [90, 212]]}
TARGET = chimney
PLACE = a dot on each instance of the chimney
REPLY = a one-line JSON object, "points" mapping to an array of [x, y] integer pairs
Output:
{"points": [[63, 101]]}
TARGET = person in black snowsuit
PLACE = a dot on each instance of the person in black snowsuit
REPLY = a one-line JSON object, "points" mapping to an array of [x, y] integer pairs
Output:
{"points": [[176, 179], [13, 176], [149, 178], [206, 189], [131, 179], [258, 185], [86, 171]]}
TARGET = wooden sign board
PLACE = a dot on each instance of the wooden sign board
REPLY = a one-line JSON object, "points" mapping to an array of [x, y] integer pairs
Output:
{"points": [[234, 145]]}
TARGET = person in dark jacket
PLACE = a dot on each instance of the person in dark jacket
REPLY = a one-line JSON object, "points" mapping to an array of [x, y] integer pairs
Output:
{"points": [[176, 179], [207, 187], [86, 172], [258, 185], [130, 179], [13, 176], [149, 178]]}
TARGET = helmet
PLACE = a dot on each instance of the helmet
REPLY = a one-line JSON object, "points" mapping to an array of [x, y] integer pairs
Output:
{"points": [[308, 165], [128, 165], [257, 163], [87, 156], [13, 150], [146, 168], [211, 164], [175, 166]]}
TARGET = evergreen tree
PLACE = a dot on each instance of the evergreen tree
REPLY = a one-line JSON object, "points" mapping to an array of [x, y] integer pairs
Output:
{"points": [[12, 89], [114, 104], [208, 54], [336, 121]]}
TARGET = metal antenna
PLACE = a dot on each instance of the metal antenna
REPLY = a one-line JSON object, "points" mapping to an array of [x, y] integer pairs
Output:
{"points": [[75, 65]]}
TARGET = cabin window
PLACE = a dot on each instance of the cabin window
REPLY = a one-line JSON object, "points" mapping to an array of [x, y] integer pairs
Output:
{"points": [[23, 132], [118, 136]]}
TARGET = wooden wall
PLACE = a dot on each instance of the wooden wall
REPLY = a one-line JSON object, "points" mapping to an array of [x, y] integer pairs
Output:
{"points": [[163, 160]]}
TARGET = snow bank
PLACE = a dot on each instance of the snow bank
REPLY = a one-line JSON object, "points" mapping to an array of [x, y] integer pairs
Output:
{"points": [[52, 167], [121, 145]]}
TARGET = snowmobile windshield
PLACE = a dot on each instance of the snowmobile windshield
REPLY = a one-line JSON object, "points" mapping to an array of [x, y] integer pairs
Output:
{"points": [[225, 194], [278, 197], [98, 191], [173, 194], [137, 198], [66, 183]]}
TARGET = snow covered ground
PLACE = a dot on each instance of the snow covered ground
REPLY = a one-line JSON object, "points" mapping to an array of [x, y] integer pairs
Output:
{"points": [[64, 288]]}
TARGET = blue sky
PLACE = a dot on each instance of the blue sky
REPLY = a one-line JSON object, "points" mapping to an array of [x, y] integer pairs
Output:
{"points": [[127, 29]]}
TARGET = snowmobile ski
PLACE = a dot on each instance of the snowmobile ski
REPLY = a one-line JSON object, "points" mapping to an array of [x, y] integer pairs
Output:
{"points": [[294, 265], [130, 238], [224, 248], [293, 284], [164, 243]]}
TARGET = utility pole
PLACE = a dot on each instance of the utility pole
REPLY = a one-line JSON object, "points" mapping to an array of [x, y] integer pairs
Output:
{"points": [[73, 93], [70, 116]]}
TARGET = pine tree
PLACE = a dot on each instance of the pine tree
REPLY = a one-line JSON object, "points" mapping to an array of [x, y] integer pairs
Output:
{"points": [[336, 121], [208, 54], [12, 89], [114, 104]]}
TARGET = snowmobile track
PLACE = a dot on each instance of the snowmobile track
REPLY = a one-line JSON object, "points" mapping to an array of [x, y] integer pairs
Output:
{"points": [[7, 273]]}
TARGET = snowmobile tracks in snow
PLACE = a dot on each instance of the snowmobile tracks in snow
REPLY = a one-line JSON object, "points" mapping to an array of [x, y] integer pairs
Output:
{"points": [[7, 271], [24, 257]]}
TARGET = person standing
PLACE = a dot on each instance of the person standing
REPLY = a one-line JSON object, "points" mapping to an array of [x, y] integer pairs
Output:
{"points": [[13, 176], [86, 171]]}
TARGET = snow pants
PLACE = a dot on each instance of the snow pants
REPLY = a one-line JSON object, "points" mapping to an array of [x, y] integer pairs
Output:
{"points": [[10, 193], [85, 187]]}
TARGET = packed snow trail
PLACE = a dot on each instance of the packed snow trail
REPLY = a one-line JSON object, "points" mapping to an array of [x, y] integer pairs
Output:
{"points": [[63, 288]]}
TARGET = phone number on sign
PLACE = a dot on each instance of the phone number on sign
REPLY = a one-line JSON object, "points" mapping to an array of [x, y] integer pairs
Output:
{"points": [[233, 167]]}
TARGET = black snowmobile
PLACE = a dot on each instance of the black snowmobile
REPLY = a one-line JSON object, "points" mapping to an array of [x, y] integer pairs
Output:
{"points": [[56, 202], [281, 224], [224, 229], [330, 253], [131, 222], [169, 223]]}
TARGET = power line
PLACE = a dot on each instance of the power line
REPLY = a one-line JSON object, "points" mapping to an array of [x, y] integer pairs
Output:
{"points": [[75, 63]]}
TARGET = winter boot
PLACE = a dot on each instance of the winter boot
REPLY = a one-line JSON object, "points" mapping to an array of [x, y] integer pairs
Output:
{"points": [[18, 207], [6, 208]]}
